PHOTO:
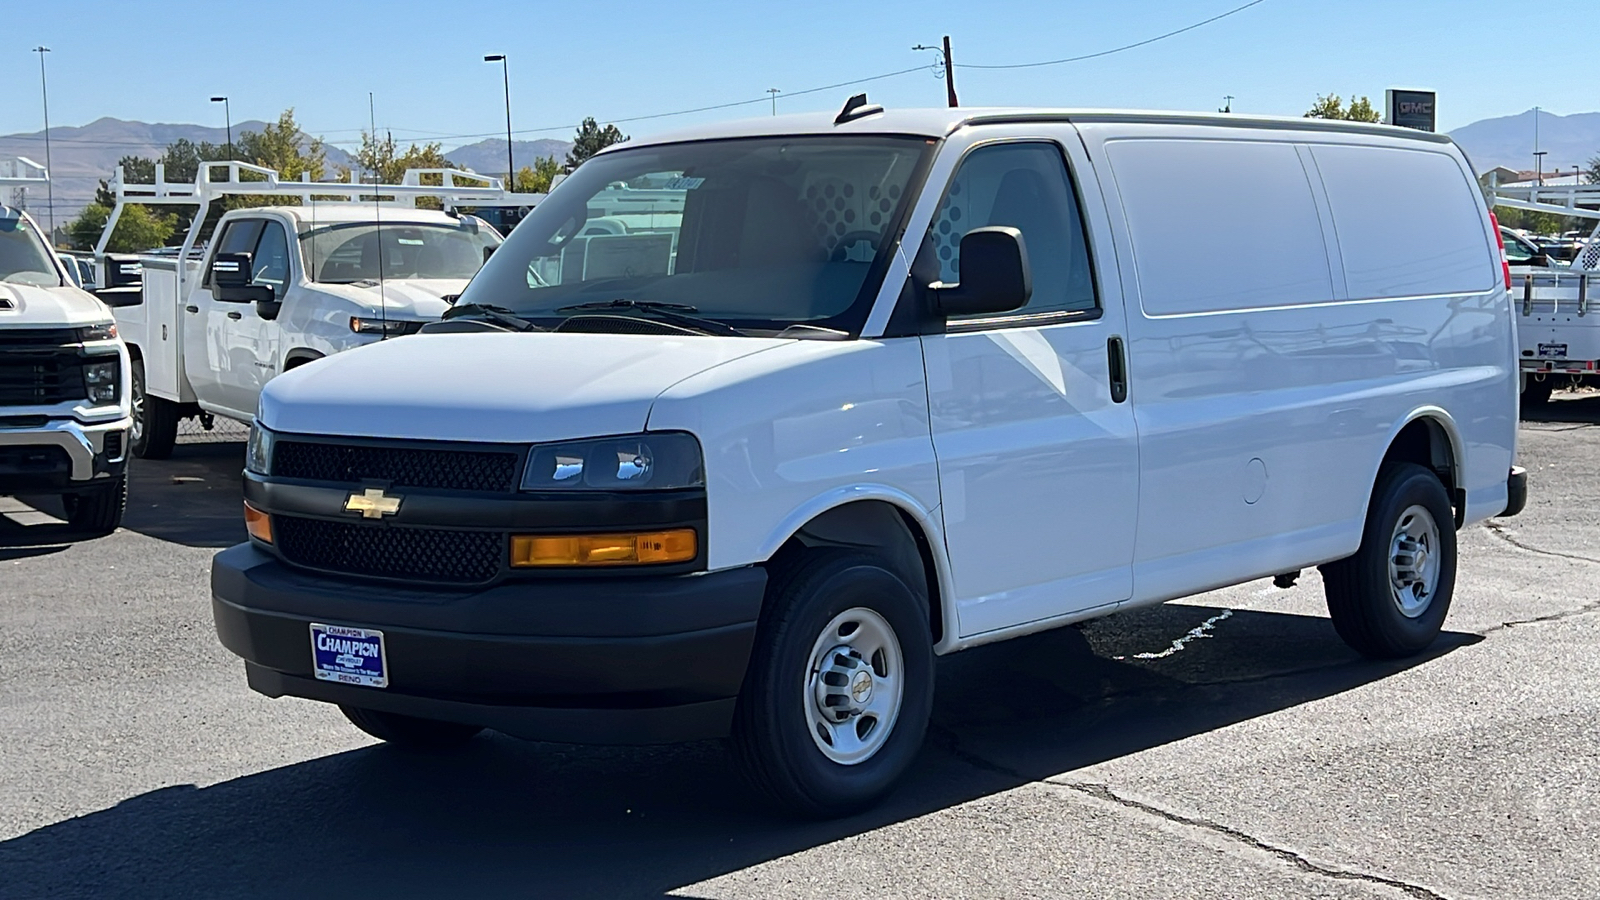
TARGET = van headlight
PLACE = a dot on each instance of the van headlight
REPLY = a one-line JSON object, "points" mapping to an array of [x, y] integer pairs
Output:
{"points": [[102, 380], [657, 461], [258, 452]]}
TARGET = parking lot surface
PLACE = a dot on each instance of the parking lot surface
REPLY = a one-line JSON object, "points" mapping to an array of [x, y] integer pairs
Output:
{"points": [[1225, 746]]}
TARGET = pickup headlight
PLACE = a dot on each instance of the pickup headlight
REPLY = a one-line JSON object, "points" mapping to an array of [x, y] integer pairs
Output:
{"points": [[102, 377], [258, 452], [656, 462], [385, 326], [105, 331]]}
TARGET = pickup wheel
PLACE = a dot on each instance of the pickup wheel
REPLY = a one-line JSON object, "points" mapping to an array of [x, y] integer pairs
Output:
{"points": [[1389, 600], [410, 732], [155, 421], [97, 512], [840, 686]]}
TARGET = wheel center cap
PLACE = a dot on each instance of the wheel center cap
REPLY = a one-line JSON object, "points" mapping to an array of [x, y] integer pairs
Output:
{"points": [[861, 687]]}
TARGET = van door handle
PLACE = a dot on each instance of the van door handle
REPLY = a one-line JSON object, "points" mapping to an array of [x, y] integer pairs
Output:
{"points": [[1117, 366], [234, 315], [192, 309]]}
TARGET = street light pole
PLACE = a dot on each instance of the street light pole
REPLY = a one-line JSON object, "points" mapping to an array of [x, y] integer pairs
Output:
{"points": [[774, 92], [505, 72], [50, 190], [227, 116], [1538, 166]]}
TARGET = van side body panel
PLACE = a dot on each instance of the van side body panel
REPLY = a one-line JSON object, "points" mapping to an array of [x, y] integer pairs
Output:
{"points": [[1265, 395]]}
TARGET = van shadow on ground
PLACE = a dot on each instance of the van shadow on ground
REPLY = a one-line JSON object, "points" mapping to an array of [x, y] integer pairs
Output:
{"points": [[193, 499], [505, 818]]}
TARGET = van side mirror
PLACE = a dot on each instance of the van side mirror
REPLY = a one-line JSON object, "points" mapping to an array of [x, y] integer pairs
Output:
{"points": [[994, 274], [230, 273]]}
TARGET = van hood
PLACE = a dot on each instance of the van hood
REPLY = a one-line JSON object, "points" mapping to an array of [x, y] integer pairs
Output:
{"points": [[420, 298], [26, 306], [518, 388]]}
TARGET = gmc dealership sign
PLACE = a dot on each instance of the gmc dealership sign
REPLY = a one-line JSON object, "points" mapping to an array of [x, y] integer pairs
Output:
{"points": [[1411, 109]]}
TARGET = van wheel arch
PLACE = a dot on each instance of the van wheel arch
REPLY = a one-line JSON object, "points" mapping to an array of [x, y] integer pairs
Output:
{"points": [[1428, 441], [885, 530]]}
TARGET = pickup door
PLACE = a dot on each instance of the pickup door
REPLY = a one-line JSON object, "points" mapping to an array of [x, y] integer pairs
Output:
{"points": [[235, 353]]}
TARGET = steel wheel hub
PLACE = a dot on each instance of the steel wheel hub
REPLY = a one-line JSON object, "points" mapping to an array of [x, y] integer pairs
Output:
{"points": [[1414, 561], [854, 686]]}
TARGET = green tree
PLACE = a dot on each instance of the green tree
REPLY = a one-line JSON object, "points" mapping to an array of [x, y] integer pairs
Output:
{"points": [[1593, 175], [380, 157], [537, 178], [138, 228], [591, 139], [284, 147], [1332, 107]]}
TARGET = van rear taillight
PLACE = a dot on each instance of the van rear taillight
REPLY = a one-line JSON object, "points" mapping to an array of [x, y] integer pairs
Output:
{"points": [[1500, 241]]}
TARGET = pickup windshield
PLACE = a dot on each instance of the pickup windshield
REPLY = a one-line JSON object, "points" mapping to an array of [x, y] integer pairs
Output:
{"points": [[760, 234], [24, 256], [362, 251]]}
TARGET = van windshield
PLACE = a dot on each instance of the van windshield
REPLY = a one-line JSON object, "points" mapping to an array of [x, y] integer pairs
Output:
{"points": [[758, 234], [362, 251], [24, 256]]}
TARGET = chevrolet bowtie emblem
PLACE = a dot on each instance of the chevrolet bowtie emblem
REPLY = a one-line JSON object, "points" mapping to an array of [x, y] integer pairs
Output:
{"points": [[372, 503]]}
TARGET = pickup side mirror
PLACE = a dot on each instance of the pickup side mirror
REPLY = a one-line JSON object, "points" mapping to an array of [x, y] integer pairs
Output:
{"points": [[118, 297], [489, 251], [994, 274], [1541, 260], [230, 275]]}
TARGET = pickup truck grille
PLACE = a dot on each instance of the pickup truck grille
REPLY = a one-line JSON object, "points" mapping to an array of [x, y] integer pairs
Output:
{"points": [[414, 467], [30, 378], [385, 551]]}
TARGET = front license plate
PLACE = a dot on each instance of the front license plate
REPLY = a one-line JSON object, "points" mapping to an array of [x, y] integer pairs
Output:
{"points": [[348, 655], [1556, 350]]}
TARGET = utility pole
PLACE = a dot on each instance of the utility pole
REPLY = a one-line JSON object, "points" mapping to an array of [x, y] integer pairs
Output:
{"points": [[774, 92], [1227, 103], [50, 188], [505, 72], [1538, 166], [227, 116], [949, 72], [1536, 153]]}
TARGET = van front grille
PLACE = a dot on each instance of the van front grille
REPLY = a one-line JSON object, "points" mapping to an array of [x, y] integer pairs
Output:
{"points": [[415, 467], [388, 551]]}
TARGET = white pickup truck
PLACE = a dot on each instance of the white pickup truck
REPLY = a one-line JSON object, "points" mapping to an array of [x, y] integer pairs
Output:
{"points": [[63, 377], [281, 286], [1557, 329]]}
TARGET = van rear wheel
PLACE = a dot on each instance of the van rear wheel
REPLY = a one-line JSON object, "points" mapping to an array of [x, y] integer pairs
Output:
{"points": [[1390, 599], [840, 685], [409, 732]]}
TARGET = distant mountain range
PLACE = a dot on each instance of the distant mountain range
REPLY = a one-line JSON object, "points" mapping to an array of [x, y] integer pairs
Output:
{"points": [[489, 157], [82, 155], [1508, 141]]}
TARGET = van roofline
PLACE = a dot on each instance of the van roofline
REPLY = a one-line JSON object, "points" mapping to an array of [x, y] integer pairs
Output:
{"points": [[936, 123]]}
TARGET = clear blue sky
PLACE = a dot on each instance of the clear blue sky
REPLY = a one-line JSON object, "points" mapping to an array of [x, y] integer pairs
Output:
{"points": [[159, 62]]}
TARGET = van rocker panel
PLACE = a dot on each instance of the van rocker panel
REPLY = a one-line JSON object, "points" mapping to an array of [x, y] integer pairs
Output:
{"points": [[624, 660]]}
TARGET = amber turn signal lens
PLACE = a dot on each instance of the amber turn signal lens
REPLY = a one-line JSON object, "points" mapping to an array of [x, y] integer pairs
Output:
{"points": [[652, 547], [258, 523]]}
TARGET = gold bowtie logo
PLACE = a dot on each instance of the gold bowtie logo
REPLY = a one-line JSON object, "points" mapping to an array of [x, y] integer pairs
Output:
{"points": [[372, 503]]}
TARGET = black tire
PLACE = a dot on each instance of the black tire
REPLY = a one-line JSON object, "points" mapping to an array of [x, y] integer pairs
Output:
{"points": [[155, 421], [1537, 393], [1361, 597], [772, 741], [97, 512], [409, 732]]}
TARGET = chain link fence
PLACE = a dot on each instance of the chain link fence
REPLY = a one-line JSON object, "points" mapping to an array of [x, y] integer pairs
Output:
{"points": [[193, 430]]}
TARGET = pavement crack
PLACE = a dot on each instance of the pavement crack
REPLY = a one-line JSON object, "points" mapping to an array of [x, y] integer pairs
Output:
{"points": [[1593, 606], [1499, 531], [1104, 793]]}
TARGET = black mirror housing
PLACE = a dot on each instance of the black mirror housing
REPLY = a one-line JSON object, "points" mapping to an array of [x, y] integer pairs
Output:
{"points": [[119, 297], [230, 278], [267, 310], [994, 274]]}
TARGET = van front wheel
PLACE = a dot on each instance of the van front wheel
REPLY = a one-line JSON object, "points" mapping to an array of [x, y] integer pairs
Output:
{"points": [[1390, 599], [840, 686]]}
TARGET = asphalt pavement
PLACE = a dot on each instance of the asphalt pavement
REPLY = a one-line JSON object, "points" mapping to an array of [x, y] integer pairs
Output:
{"points": [[1225, 746]]}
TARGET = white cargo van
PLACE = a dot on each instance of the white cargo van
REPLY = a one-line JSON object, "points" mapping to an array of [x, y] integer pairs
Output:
{"points": [[872, 388]]}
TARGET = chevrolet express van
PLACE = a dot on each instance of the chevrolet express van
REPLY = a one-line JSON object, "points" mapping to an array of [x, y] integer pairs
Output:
{"points": [[742, 427]]}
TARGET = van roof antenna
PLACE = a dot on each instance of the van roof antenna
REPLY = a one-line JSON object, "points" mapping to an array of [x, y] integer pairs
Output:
{"points": [[855, 108]]}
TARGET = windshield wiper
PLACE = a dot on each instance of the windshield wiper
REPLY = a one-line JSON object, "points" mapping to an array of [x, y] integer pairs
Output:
{"points": [[496, 314], [679, 313]]}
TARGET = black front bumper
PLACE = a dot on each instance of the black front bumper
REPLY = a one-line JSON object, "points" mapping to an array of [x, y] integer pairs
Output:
{"points": [[625, 660]]}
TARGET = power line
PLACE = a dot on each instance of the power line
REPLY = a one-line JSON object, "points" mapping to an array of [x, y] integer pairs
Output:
{"points": [[1161, 37]]}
